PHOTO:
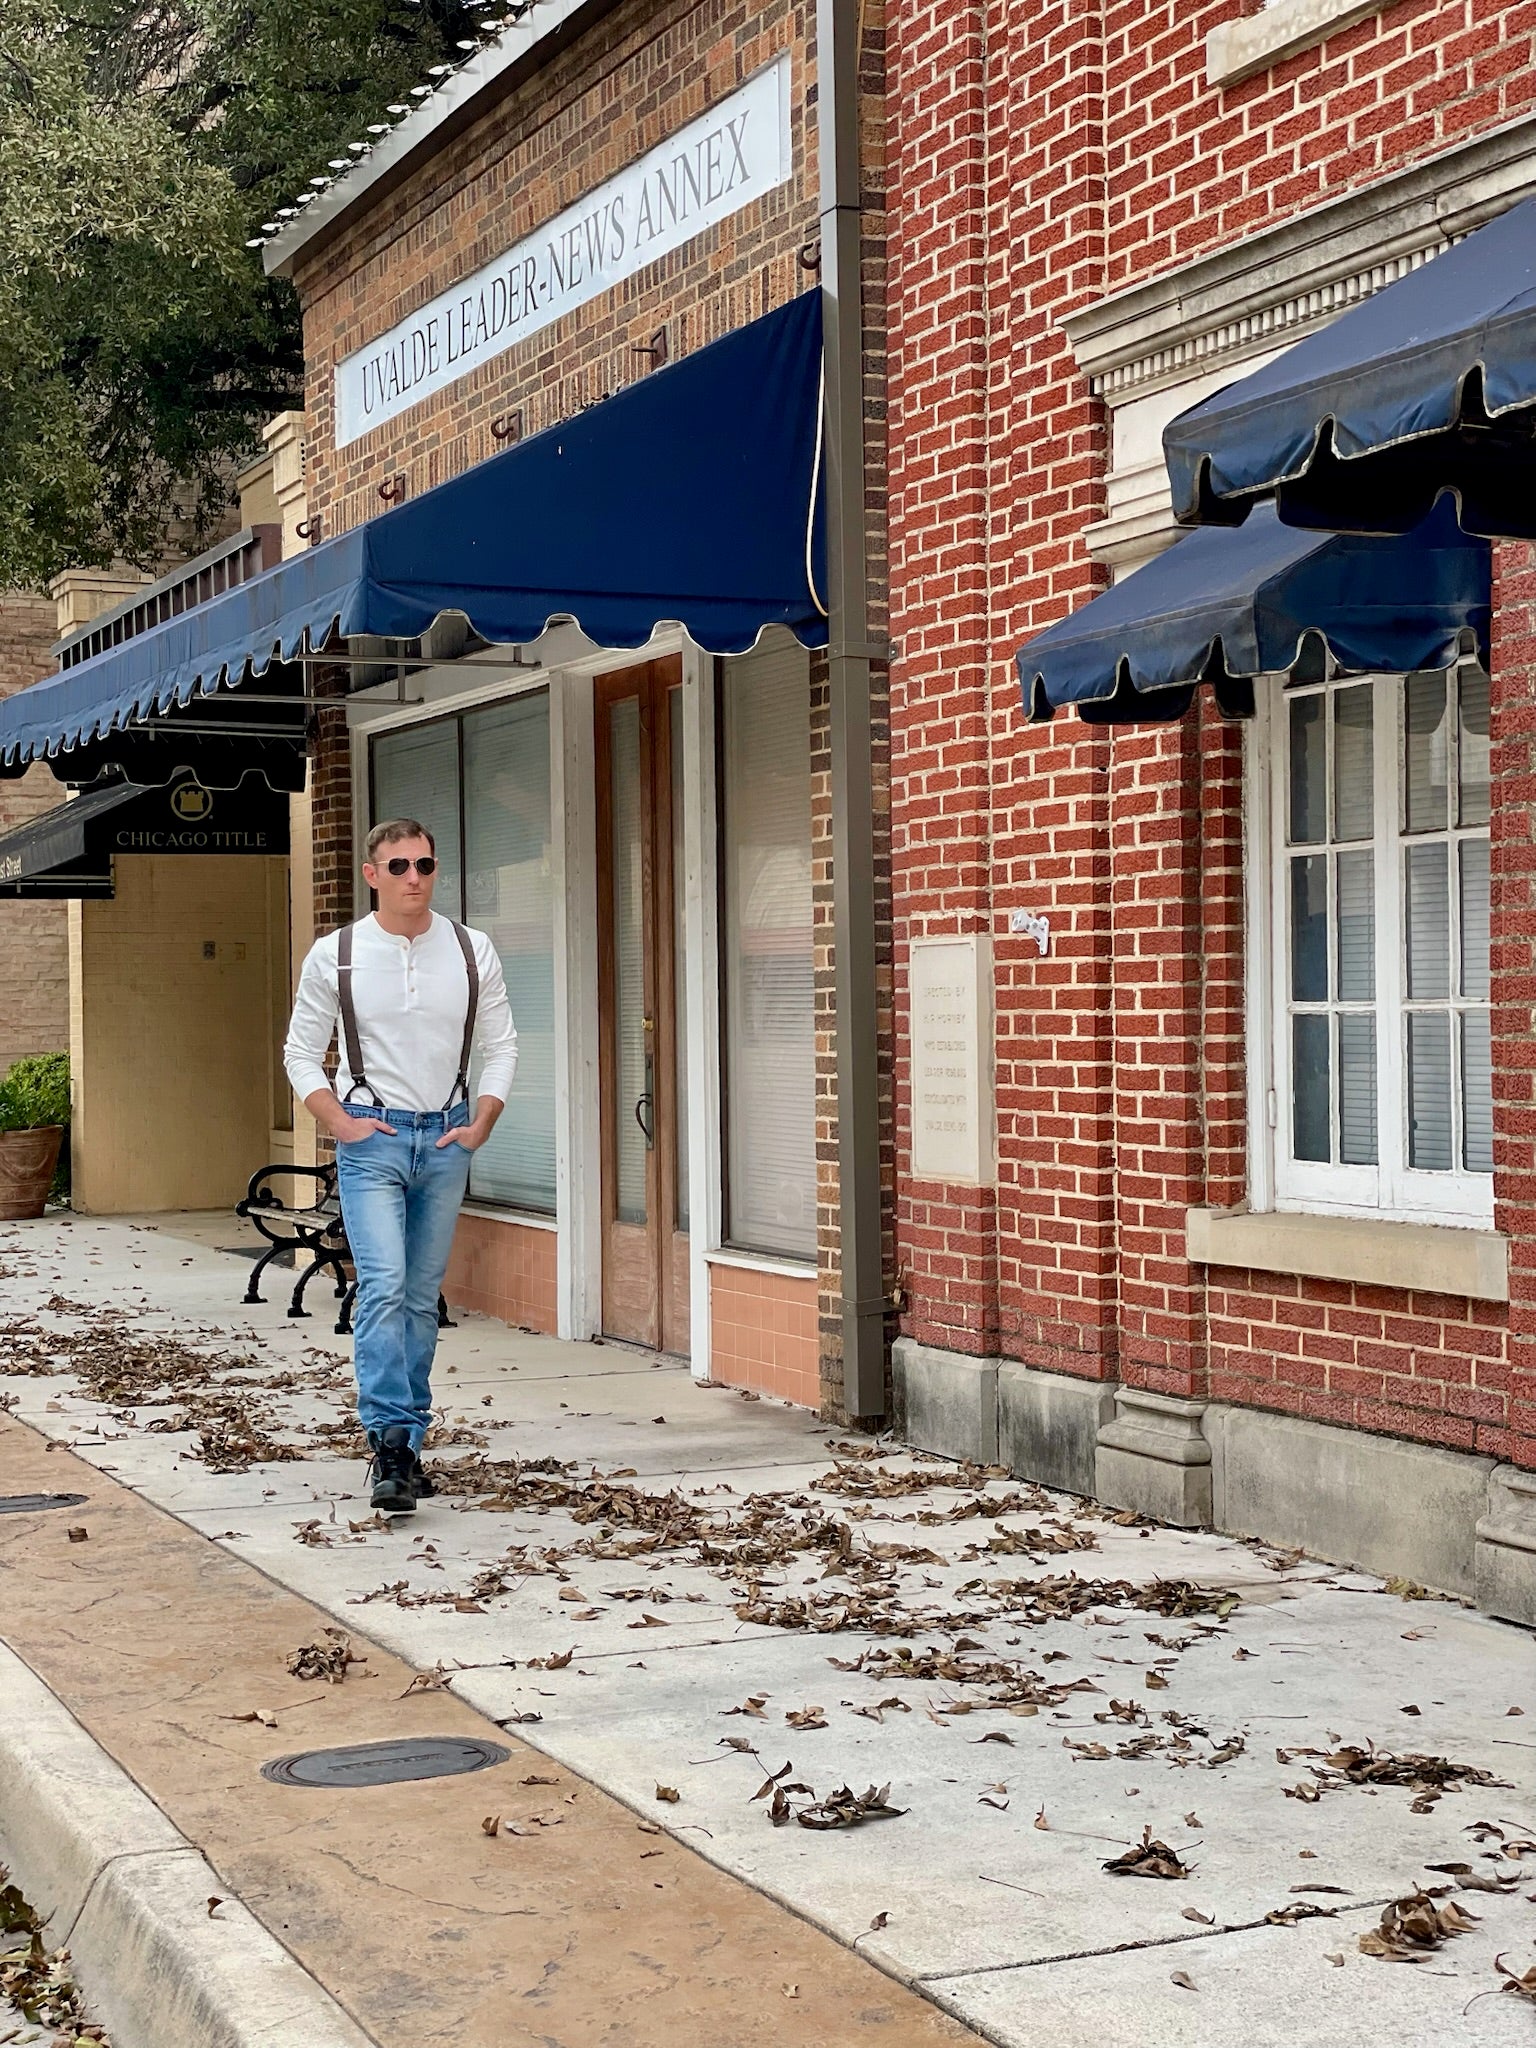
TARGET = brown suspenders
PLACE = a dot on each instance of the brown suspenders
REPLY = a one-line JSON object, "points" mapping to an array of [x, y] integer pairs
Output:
{"points": [[349, 1032]]}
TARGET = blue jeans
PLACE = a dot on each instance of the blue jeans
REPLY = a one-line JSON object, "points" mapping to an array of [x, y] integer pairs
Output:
{"points": [[400, 1198]]}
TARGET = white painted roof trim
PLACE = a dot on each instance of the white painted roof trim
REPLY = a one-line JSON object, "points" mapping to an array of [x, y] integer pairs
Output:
{"points": [[416, 134]]}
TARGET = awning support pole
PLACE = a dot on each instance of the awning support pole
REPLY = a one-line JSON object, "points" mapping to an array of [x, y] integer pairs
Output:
{"points": [[862, 1304]]}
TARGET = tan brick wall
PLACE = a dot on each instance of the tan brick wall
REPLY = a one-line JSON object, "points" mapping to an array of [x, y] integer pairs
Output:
{"points": [[34, 937]]}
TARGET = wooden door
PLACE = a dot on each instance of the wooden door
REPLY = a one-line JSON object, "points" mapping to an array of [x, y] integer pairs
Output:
{"points": [[641, 978]]}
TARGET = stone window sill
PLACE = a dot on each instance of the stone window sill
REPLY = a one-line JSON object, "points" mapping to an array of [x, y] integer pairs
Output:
{"points": [[1255, 41], [1429, 1258]]}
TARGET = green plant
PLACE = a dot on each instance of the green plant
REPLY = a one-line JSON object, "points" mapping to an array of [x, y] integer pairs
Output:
{"points": [[35, 1092]]}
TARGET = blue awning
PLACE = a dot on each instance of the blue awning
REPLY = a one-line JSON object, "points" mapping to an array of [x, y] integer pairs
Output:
{"points": [[692, 497], [1222, 607], [1427, 387]]}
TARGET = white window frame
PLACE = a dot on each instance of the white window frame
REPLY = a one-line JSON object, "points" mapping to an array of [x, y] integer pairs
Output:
{"points": [[1390, 1190]]}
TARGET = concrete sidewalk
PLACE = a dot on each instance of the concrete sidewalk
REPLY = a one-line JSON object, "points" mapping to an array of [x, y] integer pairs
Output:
{"points": [[738, 1591]]}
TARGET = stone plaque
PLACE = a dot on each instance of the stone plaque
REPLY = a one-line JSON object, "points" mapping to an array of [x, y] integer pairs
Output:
{"points": [[953, 1123]]}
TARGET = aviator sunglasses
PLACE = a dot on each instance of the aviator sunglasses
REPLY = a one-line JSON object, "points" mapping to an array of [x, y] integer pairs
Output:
{"points": [[427, 865]]}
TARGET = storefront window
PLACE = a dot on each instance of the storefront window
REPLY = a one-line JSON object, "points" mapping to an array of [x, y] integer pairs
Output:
{"points": [[768, 961], [481, 782], [1381, 950]]}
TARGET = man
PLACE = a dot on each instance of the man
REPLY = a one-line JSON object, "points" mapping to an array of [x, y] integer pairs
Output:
{"points": [[417, 994]]}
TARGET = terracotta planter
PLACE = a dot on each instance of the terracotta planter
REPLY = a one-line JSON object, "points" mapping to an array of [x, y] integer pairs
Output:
{"points": [[27, 1162]]}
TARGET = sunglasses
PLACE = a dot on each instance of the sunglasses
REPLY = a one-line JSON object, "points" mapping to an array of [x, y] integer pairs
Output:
{"points": [[427, 865]]}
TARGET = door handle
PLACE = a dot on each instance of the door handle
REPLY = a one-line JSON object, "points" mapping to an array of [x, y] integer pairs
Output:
{"points": [[644, 1120]]}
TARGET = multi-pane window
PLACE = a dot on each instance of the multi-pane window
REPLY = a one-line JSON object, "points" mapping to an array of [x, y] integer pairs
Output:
{"points": [[1382, 1095], [480, 782]]}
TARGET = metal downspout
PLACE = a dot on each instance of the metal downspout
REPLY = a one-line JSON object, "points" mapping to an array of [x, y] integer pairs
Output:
{"points": [[862, 1304]]}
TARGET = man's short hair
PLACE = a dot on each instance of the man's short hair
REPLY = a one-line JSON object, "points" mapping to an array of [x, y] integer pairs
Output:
{"points": [[392, 831]]}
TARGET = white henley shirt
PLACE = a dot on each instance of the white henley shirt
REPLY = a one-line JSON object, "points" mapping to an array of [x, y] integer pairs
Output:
{"points": [[410, 996]]}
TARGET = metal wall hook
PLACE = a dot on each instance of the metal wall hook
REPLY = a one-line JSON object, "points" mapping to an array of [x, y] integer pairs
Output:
{"points": [[656, 348], [309, 529], [508, 426], [392, 491], [809, 254]]}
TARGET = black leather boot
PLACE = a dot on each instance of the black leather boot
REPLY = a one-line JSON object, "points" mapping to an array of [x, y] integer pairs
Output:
{"points": [[393, 1472]]}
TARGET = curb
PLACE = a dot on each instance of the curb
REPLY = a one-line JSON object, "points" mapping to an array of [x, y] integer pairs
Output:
{"points": [[127, 1894]]}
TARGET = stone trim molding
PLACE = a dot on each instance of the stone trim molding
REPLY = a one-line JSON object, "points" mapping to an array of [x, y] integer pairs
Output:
{"points": [[1270, 288], [1431, 1258], [1236, 49], [1452, 1520]]}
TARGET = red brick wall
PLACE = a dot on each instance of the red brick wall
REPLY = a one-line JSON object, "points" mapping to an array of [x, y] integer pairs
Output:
{"points": [[34, 937], [1048, 156], [615, 92]]}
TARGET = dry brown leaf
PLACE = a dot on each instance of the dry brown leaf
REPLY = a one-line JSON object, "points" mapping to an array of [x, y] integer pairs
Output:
{"points": [[1413, 1927], [668, 1795], [1147, 1859], [491, 1825], [214, 1903], [1194, 1913], [78, 1535], [806, 1718], [1185, 1983], [1523, 1986]]}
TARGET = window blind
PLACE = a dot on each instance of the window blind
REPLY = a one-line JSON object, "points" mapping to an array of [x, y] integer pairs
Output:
{"points": [[416, 775], [509, 895], [769, 969]]}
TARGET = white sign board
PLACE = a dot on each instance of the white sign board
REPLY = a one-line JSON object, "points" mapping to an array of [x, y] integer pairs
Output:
{"points": [[738, 152], [953, 1135]]}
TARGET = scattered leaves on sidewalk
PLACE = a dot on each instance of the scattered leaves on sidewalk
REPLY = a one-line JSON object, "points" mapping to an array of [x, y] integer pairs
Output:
{"points": [[1413, 1927], [1298, 1910], [805, 1718], [1147, 1859], [326, 1660], [1426, 1776], [262, 1715], [1184, 1982], [847, 1809], [668, 1795], [37, 1980]]}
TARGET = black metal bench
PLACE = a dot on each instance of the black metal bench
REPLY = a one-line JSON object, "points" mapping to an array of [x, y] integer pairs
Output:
{"points": [[317, 1230]]}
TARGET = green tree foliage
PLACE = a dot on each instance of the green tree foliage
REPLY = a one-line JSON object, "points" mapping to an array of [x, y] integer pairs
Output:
{"points": [[141, 145]]}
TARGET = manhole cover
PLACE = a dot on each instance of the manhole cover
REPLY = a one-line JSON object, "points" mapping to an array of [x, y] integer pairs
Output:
{"points": [[387, 1763], [34, 1503]]}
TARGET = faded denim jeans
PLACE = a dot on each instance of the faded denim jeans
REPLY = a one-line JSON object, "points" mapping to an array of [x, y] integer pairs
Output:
{"points": [[400, 1198]]}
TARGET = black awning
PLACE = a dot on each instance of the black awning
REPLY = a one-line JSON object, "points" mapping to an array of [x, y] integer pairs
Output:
{"points": [[69, 851], [1430, 386], [1222, 607]]}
